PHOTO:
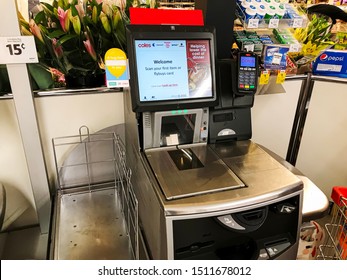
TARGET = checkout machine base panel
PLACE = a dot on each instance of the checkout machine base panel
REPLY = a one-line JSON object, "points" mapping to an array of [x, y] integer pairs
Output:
{"points": [[265, 232], [266, 229]]}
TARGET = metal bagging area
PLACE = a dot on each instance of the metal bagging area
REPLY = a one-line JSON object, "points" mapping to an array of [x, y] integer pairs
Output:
{"points": [[96, 211]]}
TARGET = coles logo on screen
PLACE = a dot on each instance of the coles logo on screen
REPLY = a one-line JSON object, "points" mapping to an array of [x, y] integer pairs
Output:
{"points": [[144, 45], [326, 57]]}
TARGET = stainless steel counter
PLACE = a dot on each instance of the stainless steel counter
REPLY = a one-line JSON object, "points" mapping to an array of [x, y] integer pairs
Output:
{"points": [[315, 203], [202, 169], [264, 177], [90, 227]]}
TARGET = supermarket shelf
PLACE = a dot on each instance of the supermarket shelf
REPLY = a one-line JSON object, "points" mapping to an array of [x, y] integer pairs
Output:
{"points": [[255, 23], [176, 4], [6, 96], [66, 92]]}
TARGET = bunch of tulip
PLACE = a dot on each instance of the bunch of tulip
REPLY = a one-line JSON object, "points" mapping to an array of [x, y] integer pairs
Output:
{"points": [[74, 35]]}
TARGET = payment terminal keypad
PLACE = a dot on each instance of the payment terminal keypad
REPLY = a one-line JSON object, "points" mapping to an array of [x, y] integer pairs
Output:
{"points": [[247, 78]]}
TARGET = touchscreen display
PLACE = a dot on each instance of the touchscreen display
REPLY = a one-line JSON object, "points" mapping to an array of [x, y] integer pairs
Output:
{"points": [[173, 69], [247, 61]]}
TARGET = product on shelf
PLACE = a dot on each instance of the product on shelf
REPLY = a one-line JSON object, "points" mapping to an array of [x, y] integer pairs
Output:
{"points": [[265, 39], [250, 40], [291, 69], [266, 10], [284, 36], [270, 13], [275, 57], [341, 38]]}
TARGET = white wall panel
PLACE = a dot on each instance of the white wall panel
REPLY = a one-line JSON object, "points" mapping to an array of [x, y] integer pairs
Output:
{"points": [[63, 116], [273, 116], [323, 150]]}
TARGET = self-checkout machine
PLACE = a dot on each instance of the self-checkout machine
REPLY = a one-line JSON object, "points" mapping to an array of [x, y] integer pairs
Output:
{"points": [[205, 191]]}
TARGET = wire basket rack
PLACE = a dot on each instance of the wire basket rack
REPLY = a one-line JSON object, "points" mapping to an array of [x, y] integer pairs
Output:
{"points": [[176, 4], [335, 245], [95, 196]]}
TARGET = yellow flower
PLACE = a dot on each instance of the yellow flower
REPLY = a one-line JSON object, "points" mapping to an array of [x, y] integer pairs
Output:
{"points": [[76, 23], [95, 15], [105, 23], [116, 18], [309, 48]]}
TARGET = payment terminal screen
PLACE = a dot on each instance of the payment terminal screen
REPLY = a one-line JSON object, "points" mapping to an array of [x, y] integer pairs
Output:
{"points": [[247, 61]]}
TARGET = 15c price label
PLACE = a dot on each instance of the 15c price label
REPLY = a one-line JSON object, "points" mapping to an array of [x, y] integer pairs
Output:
{"points": [[16, 49], [19, 49]]}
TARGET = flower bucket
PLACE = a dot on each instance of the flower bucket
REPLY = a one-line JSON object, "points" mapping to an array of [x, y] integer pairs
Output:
{"points": [[87, 81]]}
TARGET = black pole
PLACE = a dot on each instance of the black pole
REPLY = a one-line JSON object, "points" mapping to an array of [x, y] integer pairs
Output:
{"points": [[221, 15], [299, 120]]}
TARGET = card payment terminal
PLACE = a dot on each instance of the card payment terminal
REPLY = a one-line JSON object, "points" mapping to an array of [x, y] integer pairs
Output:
{"points": [[247, 77]]}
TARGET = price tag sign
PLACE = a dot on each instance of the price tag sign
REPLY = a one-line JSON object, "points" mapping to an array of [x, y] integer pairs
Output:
{"points": [[273, 23], [253, 23], [19, 49], [297, 22], [294, 48], [249, 48], [281, 77], [264, 77]]}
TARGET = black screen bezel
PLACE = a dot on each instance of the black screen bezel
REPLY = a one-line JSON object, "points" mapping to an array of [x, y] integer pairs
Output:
{"points": [[168, 32]]}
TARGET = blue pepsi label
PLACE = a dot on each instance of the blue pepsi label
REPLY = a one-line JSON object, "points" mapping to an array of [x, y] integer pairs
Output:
{"points": [[331, 63]]}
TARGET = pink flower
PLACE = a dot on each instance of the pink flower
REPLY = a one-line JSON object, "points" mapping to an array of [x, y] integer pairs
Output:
{"points": [[118, 3], [121, 4], [90, 49], [58, 50], [57, 74], [80, 10], [64, 19], [106, 9], [35, 30]]}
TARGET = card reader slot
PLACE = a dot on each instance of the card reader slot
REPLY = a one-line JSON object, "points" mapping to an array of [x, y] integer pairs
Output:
{"points": [[195, 247], [253, 219]]}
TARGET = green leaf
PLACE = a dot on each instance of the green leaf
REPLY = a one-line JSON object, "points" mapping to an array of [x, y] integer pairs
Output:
{"points": [[55, 4], [40, 17], [88, 21], [73, 3], [48, 6], [66, 38], [56, 33], [41, 75], [73, 10]]}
